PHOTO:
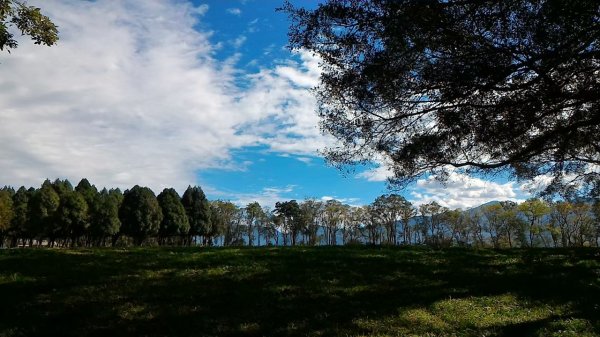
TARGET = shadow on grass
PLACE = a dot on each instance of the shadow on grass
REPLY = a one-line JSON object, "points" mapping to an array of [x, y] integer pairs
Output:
{"points": [[323, 291]]}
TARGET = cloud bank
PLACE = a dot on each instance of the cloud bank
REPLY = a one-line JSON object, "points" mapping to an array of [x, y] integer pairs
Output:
{"points": [[459, 191], [462, 191], [133, 94]]}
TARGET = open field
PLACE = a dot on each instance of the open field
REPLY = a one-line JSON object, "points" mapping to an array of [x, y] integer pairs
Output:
{"points": [[323, 291]]}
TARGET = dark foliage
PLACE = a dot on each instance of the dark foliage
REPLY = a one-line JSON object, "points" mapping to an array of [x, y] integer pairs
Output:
{"points": [[175, 221], [140, 214], [478, 85], [197, 209]]}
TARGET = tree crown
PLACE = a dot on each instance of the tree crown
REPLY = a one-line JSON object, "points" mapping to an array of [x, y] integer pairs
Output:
{"points": [[479, 86]]}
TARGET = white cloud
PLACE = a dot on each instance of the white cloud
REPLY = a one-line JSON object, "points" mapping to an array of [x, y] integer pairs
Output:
{"points": [[305, 160], [459, 191], [348, 201], [253, 26], [299, 77], [132, 95], [238, 42], [234, 11], [463, 191], [540, 183], [200, 10], [277, 104], [380, 173], [537, 184]]}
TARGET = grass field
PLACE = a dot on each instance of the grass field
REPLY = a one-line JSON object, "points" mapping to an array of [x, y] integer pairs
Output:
{"points": [[325, 291]]}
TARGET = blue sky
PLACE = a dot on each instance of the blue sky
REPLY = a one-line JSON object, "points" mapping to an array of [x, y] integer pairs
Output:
{"points": [[261, 33], [171, 93], [255, 25]]}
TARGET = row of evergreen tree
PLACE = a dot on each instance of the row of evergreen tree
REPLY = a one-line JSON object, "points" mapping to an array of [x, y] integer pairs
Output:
{"points": [[58, 214]]}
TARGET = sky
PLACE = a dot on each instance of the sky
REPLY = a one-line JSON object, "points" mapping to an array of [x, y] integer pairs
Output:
{"points": [[171, 93]]}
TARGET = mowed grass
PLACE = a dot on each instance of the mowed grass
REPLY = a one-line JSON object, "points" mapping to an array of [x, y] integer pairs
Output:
{"points": [[322, 291]]}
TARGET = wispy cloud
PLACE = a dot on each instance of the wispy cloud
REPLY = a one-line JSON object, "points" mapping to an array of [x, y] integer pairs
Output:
{"points": [[234, 11], [238, 42], [305, 160], [379, 173], [253, 26], [200, 9]]}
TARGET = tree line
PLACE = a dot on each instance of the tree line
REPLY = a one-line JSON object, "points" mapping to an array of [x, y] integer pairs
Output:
{"points": [[58, 214]]}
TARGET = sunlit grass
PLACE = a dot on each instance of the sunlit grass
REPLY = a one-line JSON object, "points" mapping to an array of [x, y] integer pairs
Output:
{"points": [[14, 278]]}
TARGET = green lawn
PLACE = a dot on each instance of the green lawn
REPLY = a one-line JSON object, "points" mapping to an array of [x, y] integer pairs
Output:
{"points": [[324, 291]]}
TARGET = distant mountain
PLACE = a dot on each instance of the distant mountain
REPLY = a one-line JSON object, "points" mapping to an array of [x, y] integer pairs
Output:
{"points": [[482, 206], [489, 203]]}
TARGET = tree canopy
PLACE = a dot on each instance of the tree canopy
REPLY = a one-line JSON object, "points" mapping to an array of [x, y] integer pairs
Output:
{"points": [[105, 220], [481, 86], [72, 215], [140, 213], [29, 20], [6, 211], [175, 221], [198, 211]]}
